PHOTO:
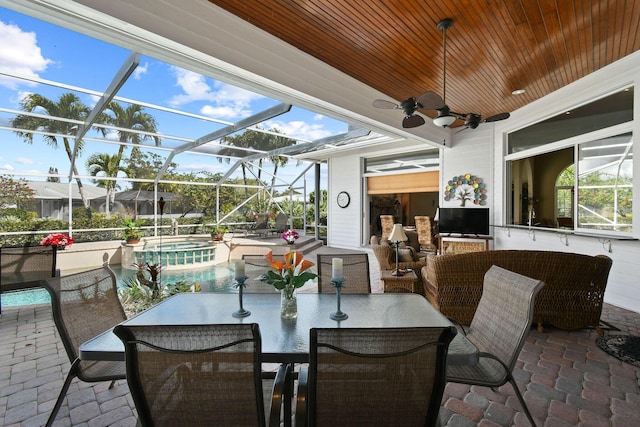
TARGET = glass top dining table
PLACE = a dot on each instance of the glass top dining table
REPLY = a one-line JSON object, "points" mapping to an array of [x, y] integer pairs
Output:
{"points": [[287, 341]]}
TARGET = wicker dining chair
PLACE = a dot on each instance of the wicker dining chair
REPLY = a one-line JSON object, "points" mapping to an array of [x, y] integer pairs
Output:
{"points": [[255, 266], [373, 376], [498, 329], [425, 234], [386, 222], [84, 305], [357, 279], [198, 375]]}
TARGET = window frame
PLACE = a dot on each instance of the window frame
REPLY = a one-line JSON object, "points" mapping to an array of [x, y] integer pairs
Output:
{"points": [[572, 142]]}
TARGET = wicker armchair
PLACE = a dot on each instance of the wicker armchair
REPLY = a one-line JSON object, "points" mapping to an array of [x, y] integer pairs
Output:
{"points": [[498, 329], [356, 273], [198, 375], [385, 254], [84, 305], [571, 299], [373, 377]]}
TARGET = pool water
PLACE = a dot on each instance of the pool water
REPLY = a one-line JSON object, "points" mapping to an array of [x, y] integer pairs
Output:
{"points": [[178, 254], [213, 279]]}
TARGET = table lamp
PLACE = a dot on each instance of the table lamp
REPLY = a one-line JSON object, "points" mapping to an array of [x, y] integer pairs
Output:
{"points": [[397, 236]]}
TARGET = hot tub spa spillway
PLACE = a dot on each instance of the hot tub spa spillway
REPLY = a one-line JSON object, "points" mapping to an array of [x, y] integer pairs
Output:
{"points": [[177, 254]]}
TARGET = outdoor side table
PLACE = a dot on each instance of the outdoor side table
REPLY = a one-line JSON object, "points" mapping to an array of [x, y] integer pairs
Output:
{"points": [[404, 283]]}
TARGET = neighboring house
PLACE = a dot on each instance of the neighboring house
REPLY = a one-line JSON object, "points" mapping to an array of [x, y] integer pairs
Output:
{"points": [[52, 198], [139, 201]]}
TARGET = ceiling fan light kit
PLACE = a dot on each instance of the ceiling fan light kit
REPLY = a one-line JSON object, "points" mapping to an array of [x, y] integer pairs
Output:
{"points": [[444, 121], [432, 101]]}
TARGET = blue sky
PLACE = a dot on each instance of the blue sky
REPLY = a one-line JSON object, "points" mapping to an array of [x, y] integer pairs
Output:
{"points": [[34, 48]]}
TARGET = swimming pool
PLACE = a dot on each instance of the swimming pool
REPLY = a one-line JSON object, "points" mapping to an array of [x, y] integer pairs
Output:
{"points": [[218, 278]]}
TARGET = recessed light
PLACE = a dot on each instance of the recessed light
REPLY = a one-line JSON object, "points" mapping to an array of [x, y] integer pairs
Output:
{"points": [[518, 92]]}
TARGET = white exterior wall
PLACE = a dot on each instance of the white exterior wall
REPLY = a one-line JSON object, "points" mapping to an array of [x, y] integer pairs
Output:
{"points": [[623, 288], [345, 228], [480, 152], [470, 153]]}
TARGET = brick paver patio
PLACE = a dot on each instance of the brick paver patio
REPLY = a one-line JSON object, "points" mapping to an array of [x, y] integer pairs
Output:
{"points": [[566, 379]]}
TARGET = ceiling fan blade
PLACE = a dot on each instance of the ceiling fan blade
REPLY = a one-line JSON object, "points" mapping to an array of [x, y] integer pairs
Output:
{"points": [[412, 121], [430, 101], [381, 103], [497, 117]]}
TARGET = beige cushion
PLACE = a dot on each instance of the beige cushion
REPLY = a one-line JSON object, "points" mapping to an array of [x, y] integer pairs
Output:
{"points": [[405, 255]]}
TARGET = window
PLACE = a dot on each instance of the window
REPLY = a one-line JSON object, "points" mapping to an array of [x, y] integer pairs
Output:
{"points": [[565, 189], [575, 179], [605, 178]]}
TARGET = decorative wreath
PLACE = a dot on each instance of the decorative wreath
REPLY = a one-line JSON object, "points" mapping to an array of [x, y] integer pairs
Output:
{"points": [[466, 187]]}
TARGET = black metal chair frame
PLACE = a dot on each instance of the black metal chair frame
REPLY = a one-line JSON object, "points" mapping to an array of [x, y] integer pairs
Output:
{"points": [[96, 371]]}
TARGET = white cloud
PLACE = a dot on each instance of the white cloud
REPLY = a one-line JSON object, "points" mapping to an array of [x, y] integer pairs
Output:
{"points": [[223, 112], [299, 129], [7, 167], [228, 102], [20, 54], [318, 117], [24, 161], [140, 71]]}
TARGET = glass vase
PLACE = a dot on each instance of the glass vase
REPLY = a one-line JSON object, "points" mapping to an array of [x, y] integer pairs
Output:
{"points": [[288, 304]]}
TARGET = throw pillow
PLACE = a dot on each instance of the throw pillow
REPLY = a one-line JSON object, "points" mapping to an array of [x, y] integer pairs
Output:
{"points": [[405, 255]]}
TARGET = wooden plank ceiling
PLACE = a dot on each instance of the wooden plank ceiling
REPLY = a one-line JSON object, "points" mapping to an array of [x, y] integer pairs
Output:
{"points": [[493, 47]]}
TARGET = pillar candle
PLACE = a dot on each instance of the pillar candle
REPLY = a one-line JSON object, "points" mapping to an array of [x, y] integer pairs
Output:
{"points": [[336, 269], [239, 269]]}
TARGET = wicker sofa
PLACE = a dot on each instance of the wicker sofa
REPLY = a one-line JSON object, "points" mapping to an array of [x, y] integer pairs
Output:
{"points": [[570, 299]]}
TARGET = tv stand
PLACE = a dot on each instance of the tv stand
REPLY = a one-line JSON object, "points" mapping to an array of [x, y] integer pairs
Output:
{"points": [[450, 244]]}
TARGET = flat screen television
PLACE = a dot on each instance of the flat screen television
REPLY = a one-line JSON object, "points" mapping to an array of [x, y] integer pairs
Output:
{"points": [[465, 221]]}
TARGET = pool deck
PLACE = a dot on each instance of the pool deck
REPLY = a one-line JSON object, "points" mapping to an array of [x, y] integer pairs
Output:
{"points": [[566, 379]]}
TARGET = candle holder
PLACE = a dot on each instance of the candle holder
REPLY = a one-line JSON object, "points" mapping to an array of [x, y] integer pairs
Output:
{"points": [[338, 315], [239, 283]]}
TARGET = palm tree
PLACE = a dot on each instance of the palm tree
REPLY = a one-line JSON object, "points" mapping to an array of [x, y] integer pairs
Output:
{"points": [[243, 140], [133, 117], [108, 165], [68, 106], [260, 141]]}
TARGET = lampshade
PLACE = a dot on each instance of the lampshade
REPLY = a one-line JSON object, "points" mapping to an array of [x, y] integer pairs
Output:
{"points": [[444, 121], [397, 234]]}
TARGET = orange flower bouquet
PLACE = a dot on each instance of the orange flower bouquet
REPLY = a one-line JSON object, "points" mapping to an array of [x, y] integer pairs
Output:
{"points": [[287, 276]]}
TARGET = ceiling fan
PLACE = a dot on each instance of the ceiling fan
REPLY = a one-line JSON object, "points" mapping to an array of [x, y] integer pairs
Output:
{"points": [[432, 101]]}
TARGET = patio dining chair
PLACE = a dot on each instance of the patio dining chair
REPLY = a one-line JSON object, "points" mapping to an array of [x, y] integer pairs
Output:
{"points": [[373, 376], [199, 375], [357, 278], [23, 267], [84, 305], [498, 329]]}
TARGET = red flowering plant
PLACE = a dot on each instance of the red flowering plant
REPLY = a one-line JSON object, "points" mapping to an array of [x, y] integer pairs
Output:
{"points": [[290, 236], [57, 239], [290, 274]]}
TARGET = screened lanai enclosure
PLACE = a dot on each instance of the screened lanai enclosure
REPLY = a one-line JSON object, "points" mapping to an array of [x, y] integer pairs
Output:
{"points": [[111, 139]]}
